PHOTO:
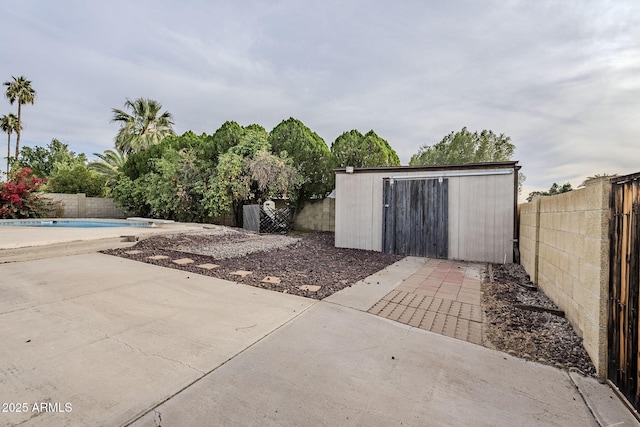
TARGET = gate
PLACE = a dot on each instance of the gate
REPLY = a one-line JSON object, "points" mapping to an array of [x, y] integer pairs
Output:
{"points": [[259, 219], [624, 283], [415, 219]]}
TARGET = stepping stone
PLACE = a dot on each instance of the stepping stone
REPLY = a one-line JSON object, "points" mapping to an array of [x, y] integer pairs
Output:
{"points": [[157, 257], [271, 279], [241, 273], [183, 261], [208, 266], [310, 288], [134, 252]]}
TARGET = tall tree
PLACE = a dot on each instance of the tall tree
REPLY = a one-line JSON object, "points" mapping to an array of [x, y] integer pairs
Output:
{"points": [[144, 127], [248, 171], [355, 149], [44, 160], [310, 155], [19, 90], [465, 147], [231, 183], [228, 135], [9, 123]]}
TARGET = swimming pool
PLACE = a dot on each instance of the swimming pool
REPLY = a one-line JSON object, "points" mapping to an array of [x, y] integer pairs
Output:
{"points": [[75, 223]]}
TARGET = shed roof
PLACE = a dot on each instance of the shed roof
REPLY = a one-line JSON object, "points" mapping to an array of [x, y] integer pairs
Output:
{"points": [[468, 166]]}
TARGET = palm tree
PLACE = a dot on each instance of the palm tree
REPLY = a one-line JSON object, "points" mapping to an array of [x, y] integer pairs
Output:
{"points": [[19, 90], [110, 164], [9, 123], [145, 127]]}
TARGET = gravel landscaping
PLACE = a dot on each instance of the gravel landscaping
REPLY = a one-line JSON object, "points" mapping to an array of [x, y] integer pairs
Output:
{"points": [[301, 261], [543, 337]]}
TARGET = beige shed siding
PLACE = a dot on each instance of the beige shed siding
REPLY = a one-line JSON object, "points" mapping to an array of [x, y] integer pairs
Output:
{"points": [[481, 213], [481, 218], [355, 212]]}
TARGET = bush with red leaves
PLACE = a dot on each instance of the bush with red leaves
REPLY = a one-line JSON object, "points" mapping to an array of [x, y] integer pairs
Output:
{"points": [[18, 198]]}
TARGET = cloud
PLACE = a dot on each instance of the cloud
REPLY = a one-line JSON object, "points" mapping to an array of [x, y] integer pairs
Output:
{"points": [[559, 78]]}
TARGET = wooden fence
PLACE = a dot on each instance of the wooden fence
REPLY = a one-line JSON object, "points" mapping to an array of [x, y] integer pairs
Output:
{"points": [[624, 285]]}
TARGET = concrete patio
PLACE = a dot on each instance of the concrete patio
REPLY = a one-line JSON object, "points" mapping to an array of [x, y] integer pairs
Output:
{"points": [[442, 296]]}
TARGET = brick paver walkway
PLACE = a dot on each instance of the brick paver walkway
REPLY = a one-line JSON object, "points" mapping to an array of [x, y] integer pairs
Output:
{"points": [[442, 297]]}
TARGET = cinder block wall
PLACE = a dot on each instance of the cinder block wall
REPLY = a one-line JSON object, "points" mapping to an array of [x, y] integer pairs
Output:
{"points": [[317, 215], [98, 207], [80, 206], [564, 247], [69, 203], [529, 237]]}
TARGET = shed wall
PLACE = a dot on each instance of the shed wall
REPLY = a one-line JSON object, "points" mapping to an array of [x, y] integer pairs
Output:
{"points": [[356, 216], [481, 216], [481, 213]]}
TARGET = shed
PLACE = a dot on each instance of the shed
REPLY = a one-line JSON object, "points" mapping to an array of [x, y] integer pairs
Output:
{"points": [[461, 212]]}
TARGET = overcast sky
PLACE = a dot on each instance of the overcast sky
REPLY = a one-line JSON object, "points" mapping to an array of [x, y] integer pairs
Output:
{"points": [[561, 78]]}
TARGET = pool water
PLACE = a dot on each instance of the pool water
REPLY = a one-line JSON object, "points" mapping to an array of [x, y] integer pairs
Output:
{"points": [[72, 223]]}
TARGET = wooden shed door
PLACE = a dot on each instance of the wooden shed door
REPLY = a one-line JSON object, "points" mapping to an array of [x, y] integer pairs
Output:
{"points": [[415, 218], [624, 288]]}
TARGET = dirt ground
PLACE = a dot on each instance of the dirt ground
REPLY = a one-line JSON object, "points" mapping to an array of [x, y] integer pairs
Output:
{"points": [[312, 259]]}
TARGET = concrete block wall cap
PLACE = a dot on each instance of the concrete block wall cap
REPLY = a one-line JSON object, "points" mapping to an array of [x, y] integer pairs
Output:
{"points": [[596, 180]]}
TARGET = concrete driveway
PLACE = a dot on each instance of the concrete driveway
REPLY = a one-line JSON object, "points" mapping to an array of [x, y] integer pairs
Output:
{"points": [[98, 340]]}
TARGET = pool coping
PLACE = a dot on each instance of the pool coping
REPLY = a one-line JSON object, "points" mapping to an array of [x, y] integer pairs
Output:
{"points": [[130, 222]]}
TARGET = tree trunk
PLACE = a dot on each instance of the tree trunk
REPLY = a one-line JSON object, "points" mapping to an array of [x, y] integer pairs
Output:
{"points": [[8, 152], [18, 131]]}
